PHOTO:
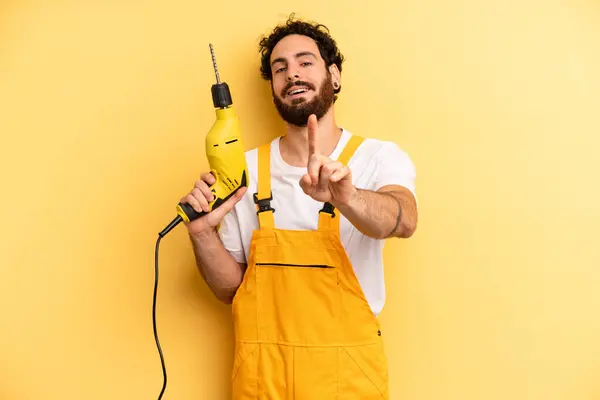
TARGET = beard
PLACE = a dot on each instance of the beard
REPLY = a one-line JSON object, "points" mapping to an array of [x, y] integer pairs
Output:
{"points": [[298, 112]]}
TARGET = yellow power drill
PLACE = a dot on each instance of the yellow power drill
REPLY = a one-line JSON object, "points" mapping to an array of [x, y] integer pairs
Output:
{"points": [[225, 153], [227, 160]]}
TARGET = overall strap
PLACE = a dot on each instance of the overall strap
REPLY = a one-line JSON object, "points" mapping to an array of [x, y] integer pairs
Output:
{"points": [[264, 196], [328, 218]]}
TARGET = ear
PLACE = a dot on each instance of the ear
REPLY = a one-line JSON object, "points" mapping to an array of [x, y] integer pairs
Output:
{"points": [[336, 77]]}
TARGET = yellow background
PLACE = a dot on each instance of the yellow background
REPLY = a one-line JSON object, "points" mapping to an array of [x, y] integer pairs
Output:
{"points": [[103, 111]]}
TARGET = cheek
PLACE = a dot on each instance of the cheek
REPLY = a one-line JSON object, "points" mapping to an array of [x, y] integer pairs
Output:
{"points": [[277, 86]]}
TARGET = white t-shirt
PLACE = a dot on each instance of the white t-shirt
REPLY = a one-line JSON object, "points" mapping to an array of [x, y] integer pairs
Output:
{"points": [[375, 163]]}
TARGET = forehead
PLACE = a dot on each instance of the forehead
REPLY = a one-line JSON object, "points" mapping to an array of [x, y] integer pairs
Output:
{"points": [[293, 45]]}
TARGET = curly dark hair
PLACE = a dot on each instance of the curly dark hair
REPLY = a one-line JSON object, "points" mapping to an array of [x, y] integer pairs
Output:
{"points": [[318, 32]]}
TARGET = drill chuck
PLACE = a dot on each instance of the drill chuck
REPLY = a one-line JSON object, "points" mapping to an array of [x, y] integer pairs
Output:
{"points": [[221, 95]]}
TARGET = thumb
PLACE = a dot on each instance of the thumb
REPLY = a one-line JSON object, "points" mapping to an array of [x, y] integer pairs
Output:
{"points": [[219, 213], [306, 184]]}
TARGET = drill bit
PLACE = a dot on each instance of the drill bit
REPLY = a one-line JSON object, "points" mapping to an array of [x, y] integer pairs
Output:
{"points": [[214, 60]]}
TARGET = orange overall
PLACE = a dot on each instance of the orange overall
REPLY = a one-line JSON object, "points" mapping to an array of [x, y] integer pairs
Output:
{"points": [[303, 327]]}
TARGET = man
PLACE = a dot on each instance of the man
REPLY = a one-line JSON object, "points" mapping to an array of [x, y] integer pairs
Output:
{"points": [[299, 253]]}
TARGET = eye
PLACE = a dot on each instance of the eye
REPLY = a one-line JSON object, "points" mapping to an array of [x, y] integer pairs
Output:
{"points": [[280, 69], [306, 63]]}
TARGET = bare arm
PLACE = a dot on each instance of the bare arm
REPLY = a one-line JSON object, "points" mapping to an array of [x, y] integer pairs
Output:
{"points": [[220, 270], [389, 212], [222, 273]]}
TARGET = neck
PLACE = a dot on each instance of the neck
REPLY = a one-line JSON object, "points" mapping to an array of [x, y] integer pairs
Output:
{"points": [[294, 145]]}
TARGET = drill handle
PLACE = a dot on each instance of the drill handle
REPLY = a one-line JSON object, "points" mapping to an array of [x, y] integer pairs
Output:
{"points": [[188, 213]]}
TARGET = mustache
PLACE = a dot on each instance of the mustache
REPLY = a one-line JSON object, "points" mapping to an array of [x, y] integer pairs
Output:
{"points": [[297, 83]]}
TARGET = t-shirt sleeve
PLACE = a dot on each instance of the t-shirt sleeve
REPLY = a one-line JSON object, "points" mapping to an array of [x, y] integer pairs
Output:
{"points": [[395, 167], [229, 232]]}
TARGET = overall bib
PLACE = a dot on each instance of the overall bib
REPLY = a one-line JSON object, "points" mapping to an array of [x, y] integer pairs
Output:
{"points": [[303, 327]]}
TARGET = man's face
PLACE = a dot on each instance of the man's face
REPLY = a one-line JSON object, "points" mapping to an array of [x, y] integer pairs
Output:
{"points": [[301, 83]]}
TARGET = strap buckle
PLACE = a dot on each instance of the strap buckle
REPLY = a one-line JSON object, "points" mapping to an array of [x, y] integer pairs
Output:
{"points": [[263, 204], [329, 209]]}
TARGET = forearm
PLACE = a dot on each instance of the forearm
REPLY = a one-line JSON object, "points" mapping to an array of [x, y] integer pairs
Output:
{"points": [[220, 270], [389, 212]]}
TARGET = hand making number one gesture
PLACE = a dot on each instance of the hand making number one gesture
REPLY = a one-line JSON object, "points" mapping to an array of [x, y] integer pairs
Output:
{"points": [[326, 180]]}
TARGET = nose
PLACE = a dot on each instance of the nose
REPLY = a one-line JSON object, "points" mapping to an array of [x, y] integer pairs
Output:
{"points": [[293, 76]]}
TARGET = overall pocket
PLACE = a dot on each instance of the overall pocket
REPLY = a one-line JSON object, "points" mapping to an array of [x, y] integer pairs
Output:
{"points": [[244, 373], [297, 297], [363, 372]]}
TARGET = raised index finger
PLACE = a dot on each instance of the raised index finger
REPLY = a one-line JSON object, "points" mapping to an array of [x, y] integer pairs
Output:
{"points": [[312, 135]]}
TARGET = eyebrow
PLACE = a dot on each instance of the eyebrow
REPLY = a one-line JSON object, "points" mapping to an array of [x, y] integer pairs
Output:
{"points": [[298, 55]]}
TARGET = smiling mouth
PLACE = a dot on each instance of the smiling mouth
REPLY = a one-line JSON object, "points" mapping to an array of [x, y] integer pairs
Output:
{"points": [[296, 92]]}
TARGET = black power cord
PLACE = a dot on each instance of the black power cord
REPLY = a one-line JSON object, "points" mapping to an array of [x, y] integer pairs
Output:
{"points": [[162, 234], [162, 360]]}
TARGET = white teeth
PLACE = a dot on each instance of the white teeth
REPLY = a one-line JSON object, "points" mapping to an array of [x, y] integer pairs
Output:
{"points": [[293, 92]]}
